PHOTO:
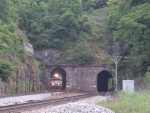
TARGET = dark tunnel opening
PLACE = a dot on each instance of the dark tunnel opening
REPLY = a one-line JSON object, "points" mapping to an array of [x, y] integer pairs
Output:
{"points": [[60, 72], [102, 81]]}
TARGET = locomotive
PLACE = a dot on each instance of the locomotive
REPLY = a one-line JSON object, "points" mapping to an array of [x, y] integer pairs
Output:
{"points": [[56, 82]]}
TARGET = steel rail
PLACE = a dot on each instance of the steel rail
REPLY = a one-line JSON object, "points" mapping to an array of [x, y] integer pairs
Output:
{"points": [[35, 104]]}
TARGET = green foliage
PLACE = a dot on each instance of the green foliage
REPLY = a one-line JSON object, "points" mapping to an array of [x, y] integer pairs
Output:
{"points": [[61, 24], [10, 43], [52, 23], [138, 2], [7, 11], [130, 23], [146, 78], [94, 4], [110, 2], [129, 103], [137, 26], [6, 68], [10, 47], [4, 10], [82, 58]]}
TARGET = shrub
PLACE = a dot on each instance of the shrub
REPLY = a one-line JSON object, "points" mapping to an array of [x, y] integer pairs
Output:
{"points": [[146, 79], [5, 69], [82, 58]]}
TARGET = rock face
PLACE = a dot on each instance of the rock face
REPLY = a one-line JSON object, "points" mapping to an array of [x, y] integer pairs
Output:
{"points": [[47, 55], [29, 48]]}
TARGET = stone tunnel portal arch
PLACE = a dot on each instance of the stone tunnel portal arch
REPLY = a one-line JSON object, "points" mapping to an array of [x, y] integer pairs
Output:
{"points": [[61, 72], [102, 81]]}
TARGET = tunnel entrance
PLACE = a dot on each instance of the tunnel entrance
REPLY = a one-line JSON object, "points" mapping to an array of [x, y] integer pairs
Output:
{"points": [[59, 73], [102, 81]]}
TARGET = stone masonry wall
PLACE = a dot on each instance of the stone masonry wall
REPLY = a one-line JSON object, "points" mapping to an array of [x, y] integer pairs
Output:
{"points": [[78, 77]]}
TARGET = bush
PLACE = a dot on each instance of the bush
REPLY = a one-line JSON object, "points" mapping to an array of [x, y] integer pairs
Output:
{"points": [[5, 69], [146, 79], [82, 58]]}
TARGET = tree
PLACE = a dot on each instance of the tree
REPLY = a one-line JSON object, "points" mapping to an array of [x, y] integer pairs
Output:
{"points": [[134, 28], [5, 69], [4, 10], [7, 11], [51, 24]]}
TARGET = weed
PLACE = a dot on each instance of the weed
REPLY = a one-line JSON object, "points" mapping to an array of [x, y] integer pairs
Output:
{"points": [[129, 103]]}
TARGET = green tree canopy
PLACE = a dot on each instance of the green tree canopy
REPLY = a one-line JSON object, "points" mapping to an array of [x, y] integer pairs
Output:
{"points": [[50, 24], [134, 29]]}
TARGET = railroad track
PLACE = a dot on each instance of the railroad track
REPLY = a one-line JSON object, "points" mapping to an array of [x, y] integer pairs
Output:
{"points": [[35, 104]]}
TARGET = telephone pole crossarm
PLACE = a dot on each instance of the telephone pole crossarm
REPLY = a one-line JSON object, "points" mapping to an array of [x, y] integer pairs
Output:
{"points": [[116, 60]]}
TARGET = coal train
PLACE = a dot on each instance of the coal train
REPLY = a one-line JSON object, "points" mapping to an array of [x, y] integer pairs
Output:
{"points": [[56, 82]]}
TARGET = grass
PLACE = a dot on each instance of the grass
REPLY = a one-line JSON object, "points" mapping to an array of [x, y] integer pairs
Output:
{"points": [[129, 103]]}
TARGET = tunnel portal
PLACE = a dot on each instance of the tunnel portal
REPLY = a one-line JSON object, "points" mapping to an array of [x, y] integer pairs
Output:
{"points": [[62, 73], [102, 81], [81, 78]]}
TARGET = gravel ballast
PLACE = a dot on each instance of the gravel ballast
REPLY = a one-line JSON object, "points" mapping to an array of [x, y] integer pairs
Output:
{"points": [[87, 105]]}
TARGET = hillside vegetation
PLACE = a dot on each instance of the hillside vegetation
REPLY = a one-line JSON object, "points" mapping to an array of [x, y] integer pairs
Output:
{"points": [[129, 103], [80, 30], [14, 58]]}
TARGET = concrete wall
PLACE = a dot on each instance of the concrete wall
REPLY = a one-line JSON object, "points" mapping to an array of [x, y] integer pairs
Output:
{"points": [[78, 77]]}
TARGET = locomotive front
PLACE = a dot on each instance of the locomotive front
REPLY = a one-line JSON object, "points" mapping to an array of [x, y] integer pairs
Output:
{"points": [[56, 82]]}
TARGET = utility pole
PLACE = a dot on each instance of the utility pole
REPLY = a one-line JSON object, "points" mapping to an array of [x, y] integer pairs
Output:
{"points": [[116, 60]]}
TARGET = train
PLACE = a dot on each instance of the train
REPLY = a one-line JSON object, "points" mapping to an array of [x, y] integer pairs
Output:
{"points": [[56, 82]]}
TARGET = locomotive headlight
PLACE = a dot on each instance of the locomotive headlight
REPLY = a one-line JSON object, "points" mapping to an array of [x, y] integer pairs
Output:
{"points": [[56, 75], [52, 84]]}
